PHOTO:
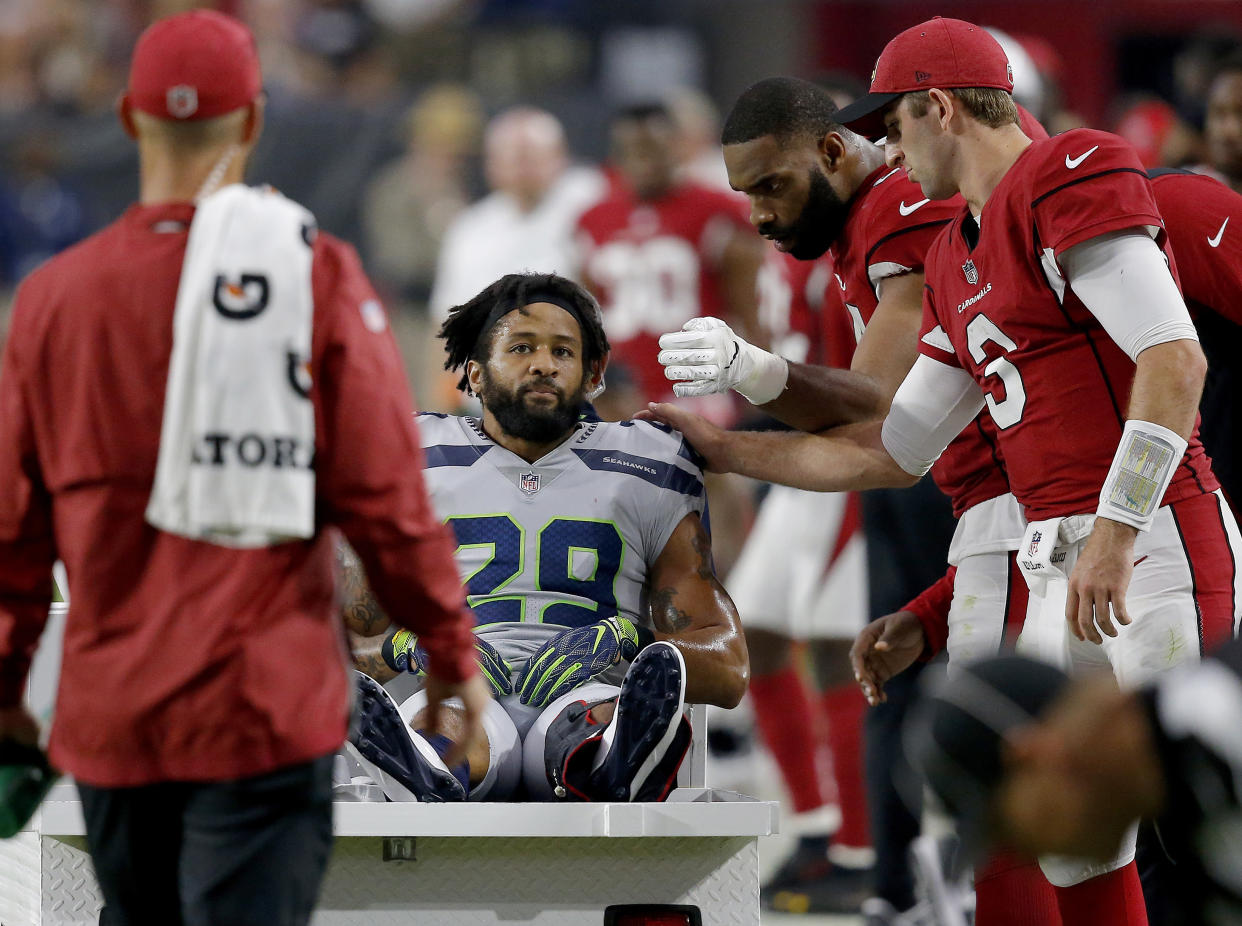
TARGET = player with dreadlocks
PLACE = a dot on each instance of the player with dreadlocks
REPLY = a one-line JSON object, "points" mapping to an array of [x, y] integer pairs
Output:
{"points": [[587, 566]]}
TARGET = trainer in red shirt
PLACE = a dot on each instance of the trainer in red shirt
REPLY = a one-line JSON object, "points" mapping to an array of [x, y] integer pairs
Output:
{"points": [[185, 661]]}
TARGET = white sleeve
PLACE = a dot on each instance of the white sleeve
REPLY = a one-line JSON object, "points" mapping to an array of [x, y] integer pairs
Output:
{"points": [[933, 404], [1124, 281]]}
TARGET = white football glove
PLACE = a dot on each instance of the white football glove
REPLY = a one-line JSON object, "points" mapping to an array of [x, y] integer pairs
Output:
{"points": [[706, 357]]}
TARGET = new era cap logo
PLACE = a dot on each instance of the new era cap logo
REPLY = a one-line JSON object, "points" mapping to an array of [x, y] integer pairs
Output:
{"points": [[182, 101], [921, 76]]}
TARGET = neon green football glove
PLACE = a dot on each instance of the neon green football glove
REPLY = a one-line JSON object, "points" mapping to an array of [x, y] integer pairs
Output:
{"points": [[403, 653], [577, 655]]}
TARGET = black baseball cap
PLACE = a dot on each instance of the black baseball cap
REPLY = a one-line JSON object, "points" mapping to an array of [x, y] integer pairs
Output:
{"points": [[956, 734]]}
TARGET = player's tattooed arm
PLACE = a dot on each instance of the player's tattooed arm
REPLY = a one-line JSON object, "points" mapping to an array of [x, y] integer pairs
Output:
{"points": [[665, 614], [363, 615], [690, 609], [368, 658]]}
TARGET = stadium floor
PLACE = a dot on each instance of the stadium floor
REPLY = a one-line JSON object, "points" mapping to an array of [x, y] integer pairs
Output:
{"points": [[772, 849]]}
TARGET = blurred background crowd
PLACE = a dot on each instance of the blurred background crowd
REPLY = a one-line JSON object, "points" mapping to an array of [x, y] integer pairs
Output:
{"points": [[379, 109]]}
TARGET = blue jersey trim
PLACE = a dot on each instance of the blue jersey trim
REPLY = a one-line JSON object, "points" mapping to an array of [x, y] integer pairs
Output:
{"points": [[452, 455], [664, 475]]}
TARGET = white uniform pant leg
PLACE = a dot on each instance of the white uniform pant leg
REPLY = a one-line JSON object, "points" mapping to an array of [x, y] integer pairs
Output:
{"points": [[988, 608], [1182, 598], [786, 580]]}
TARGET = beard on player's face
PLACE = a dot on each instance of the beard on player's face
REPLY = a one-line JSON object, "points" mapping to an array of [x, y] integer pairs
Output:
{"points": [[532, 420], [819, 223]]}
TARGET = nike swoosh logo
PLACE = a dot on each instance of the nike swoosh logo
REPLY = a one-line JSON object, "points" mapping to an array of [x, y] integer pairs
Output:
{"points": [[1215, 242], [840, 282], [906, 210], [1071, 163], [1140, 559], [734, 357]]}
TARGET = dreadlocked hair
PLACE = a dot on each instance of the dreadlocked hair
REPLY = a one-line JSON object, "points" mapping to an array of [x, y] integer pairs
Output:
{"points": [[463, 331]]}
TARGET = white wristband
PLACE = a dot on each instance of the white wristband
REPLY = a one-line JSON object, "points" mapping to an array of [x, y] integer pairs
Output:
{"points": [[765, 377], [1147, 456]]}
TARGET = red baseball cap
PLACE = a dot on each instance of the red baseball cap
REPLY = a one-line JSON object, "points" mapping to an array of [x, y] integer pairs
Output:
{"points": [[195, 65], [942, 53]]}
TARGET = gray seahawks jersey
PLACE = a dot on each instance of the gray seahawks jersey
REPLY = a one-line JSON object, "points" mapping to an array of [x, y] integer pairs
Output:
{"points": [[567, 540]]}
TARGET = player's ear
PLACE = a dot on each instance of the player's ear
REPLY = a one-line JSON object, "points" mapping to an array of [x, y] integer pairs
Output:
{"points": [[474, 376], [832, 152], [253, 126], [125, 114], [944, 104], [596, 376]]}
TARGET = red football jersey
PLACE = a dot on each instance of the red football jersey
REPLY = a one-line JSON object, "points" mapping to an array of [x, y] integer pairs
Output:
{"points": [[184, 660], [654, 266], [1057, 386], [888, 231], [791, 305], [1197, 211]]}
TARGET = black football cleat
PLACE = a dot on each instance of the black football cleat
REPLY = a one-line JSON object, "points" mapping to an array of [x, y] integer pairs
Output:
{"points": [[399, 759], [644, 745]]}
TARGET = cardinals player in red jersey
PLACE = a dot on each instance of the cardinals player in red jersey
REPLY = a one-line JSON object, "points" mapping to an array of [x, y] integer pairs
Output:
{"points": [[815, 186], [1059, 313], [660, 251], [1196, 212], [1204, 223]]}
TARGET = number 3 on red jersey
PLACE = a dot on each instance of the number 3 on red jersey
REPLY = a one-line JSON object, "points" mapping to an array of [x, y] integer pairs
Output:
{"points": [[1008, 411]]}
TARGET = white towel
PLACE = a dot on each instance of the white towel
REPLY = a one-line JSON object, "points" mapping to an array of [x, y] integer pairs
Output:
{"points": [[238, 435], [1050, 548]]}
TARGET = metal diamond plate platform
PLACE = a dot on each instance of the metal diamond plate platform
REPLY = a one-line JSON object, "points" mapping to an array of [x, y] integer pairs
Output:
{"points": [[483, 881], [524, 878]]}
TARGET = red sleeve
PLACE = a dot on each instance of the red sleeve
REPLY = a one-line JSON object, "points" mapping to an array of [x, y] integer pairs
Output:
{"points": [[27, 544], [932, 610], [902, 223], [933, 340], [369, 466], [1085, 184], [838, 340], [1204, 220]]}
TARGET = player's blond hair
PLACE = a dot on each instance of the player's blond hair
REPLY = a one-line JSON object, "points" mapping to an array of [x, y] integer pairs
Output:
{"points": [[994, 108]]}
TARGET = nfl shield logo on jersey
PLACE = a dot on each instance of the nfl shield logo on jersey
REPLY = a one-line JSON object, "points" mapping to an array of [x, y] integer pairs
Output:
{"points": [[972, 273], [530, 483]]}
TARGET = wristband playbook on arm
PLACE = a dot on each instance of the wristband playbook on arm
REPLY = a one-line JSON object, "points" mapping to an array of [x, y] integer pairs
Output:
{"points": [[1146, 458]]}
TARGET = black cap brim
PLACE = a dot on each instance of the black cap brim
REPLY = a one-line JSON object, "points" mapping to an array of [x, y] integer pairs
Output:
{"points": [[863, 115]]}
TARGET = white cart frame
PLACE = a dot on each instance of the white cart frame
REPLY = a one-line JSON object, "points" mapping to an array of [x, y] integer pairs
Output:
{"points": [[535, 864]]}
